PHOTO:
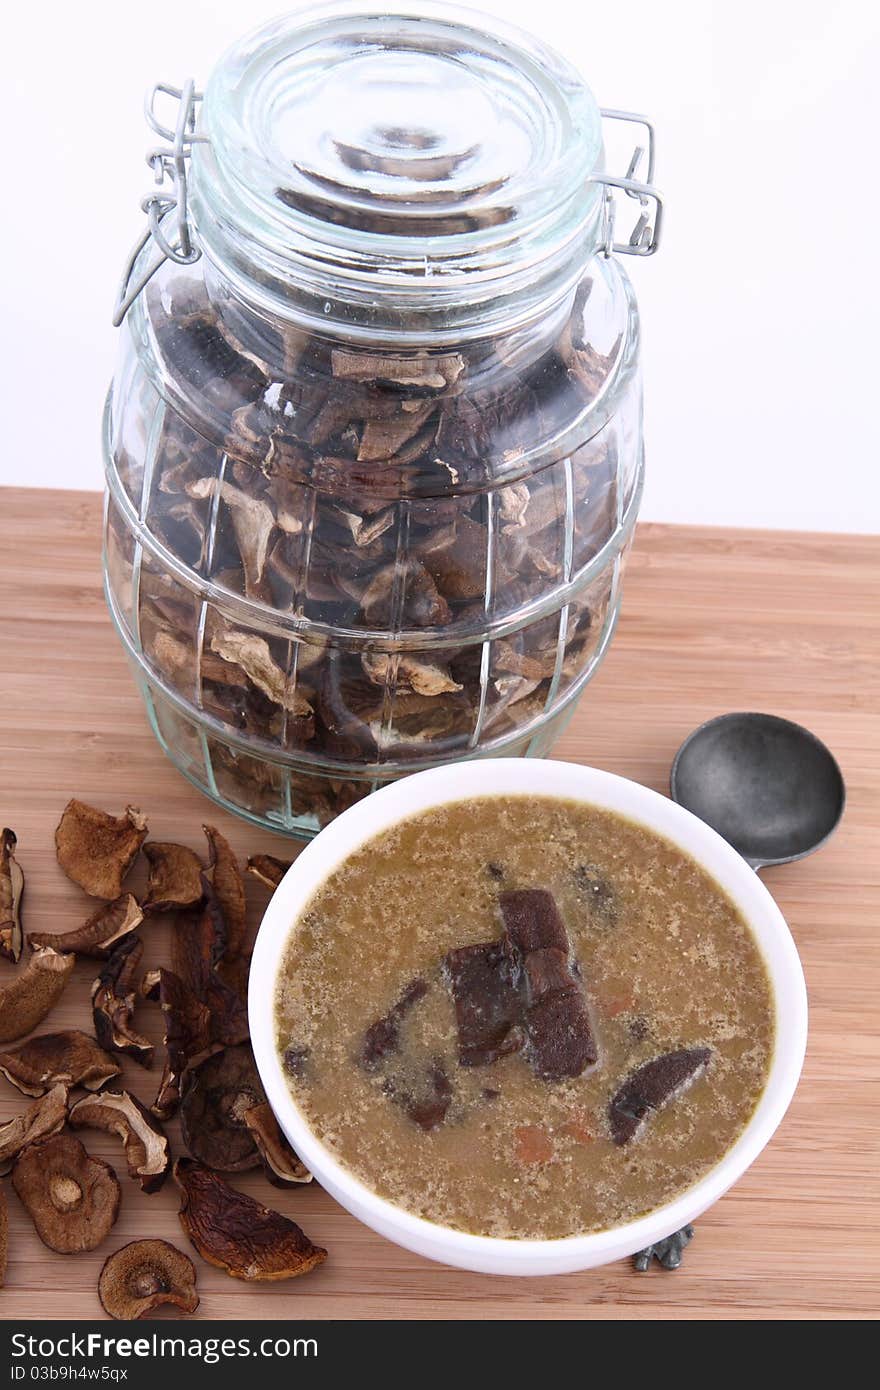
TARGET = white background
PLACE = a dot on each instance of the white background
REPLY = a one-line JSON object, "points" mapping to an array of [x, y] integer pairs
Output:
{"points": [[760, 312]]}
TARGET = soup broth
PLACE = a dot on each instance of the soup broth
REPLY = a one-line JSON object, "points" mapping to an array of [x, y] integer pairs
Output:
{"points": [[524, 1017]]}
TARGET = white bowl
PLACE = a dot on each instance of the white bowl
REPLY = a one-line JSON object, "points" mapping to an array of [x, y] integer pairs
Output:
{"points": [[506, 777]]}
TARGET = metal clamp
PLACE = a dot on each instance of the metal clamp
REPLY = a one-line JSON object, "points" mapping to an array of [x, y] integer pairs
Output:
{"points": [[169, 166], [645, 235]]}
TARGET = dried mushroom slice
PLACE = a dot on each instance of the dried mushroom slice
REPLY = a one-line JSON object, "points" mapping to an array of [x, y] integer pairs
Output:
{"points": [[97, 850], [434, 372], [456, 556], [253, 522], [282, 1165], [175, 878], [367, 529], [187, 1034], [198, 942], [235, 1233], [217, 1094], [652, 1085], [404, 672], [404, 595], [197, 953], [586, 365], [4, 1236], [114, 997], [11, 894], [27, 999], [142, 1276], [72, 1198], [72, 1058], [252, 654], [226, 880], [268, 869], [146, 1148], [46, 1116], [382, 440], [100, 933]]}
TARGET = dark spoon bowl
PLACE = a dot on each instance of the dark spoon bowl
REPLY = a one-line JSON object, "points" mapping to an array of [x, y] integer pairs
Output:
{"points": [[769, 786]]}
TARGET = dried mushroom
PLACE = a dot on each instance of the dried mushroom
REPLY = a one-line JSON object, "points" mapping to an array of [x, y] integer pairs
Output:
{"points": [[4, 1236], [114, 997], [283, 1167], [27, 999], [72, 1058], [253, 522], [175, 878], [404, 672], [228, 885], [217, 1095], [432, 372], [97, 850], [72, 1198], [234, 976], [253, 655], [146, 1148], [11, 893], [197, 952], [100, 933], [187, 1034], [235, 1233], [46, 1116], [142, 1276], [268, 869]]}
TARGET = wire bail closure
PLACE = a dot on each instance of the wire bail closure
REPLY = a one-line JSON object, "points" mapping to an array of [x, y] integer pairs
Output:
{"points": [[644, 238], [169, 166]]}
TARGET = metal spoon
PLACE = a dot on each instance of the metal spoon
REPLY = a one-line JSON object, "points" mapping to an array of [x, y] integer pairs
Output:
{"points": [[769, 786]]}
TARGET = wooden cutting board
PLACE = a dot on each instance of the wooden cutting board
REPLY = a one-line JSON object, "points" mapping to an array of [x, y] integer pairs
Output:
{"points": [[713, 620]]}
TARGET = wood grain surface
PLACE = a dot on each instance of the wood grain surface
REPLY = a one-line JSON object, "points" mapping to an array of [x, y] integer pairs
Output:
{"points": [[713, 620]]}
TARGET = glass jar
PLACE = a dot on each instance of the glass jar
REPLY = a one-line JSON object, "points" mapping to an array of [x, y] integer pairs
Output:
{"points": [[374, 443]]}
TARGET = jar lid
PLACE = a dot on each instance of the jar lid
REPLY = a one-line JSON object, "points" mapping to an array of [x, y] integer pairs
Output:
{"points": [[416, 170]]}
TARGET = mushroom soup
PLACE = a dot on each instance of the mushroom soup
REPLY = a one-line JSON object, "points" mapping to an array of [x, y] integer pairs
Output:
{"points": [[524, 1017]]}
